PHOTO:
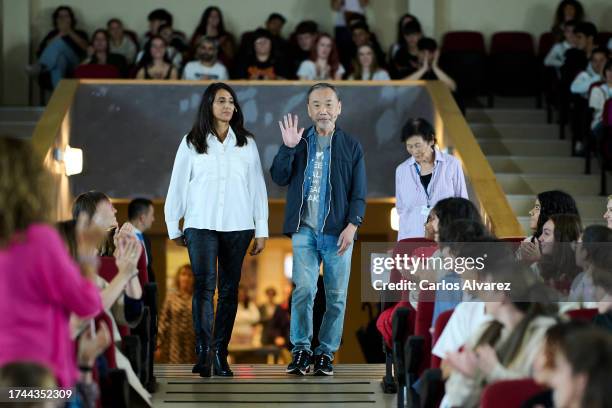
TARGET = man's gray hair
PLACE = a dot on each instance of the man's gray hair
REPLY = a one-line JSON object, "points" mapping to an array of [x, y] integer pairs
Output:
{"points": [[322, 85]]}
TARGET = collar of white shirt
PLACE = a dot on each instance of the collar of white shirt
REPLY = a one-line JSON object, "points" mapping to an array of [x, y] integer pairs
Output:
{"points": [[231, 137]]}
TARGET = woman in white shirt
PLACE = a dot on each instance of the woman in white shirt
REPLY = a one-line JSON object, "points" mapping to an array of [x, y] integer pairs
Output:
{"points": [[218, 189], [365, 66], [324, 63]]}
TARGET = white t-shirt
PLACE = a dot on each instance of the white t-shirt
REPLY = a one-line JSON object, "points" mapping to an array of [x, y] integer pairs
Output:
{"points": [[380, 75], [465, 320], [308, 70], [195, 70], [352, 6]]}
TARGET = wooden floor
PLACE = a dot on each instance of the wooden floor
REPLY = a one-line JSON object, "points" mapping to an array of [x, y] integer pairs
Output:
{"points": [[353, 385]]}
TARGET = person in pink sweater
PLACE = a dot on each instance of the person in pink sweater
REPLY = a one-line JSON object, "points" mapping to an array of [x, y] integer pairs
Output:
{"points": [[40, 285]]}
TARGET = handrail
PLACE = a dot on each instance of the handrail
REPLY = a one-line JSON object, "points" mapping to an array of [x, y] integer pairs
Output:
{"points": [[452, 128]]}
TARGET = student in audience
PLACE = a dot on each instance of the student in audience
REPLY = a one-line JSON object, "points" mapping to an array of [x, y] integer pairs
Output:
{"points": [[405, 60], [346, 12], [175, 48], [275, 24], [157, 18], [62, 49], [416, 190], [405, 19], [594, 240], [506, 347], [547, 203], [362, 35], [597, 101], [120, 42], [608, 214], [155, 63], [247, 317], [593, 73], [324, 63], [217, 227], [602, 280], [586, 37], [365, 66], [302, 42], [206, 66], [37, 275], [141, 214], [263, 62], [583, 362], [567, 10], [556, 56], [211, 25], [100, 53], [176, 340], [557, 265], [429, 55], [274, 320]]}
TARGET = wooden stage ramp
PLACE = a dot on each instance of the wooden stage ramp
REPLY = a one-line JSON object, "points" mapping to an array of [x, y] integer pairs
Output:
{"points": [[261, 385]]}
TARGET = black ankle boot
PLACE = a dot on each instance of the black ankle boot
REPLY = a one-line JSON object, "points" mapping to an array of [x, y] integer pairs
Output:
{"points": [[204, 363], [220, 366]]}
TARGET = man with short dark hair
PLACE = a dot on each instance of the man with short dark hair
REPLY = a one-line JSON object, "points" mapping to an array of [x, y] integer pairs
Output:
{"points": [[141, 214], [325, 206]]}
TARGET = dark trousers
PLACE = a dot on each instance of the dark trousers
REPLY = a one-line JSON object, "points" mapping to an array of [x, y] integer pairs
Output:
{"points": [[206, 247]]}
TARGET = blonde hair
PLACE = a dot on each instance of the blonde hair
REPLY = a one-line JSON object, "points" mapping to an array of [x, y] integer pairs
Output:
{"points": [[24, 188]]}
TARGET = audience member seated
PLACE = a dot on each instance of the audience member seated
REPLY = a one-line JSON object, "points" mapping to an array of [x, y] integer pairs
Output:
{"points": [[211, 25], [324, 63], [556, 56], [175, 48], [155, 63], [361, 35], [366, 67], [62, 49], [263, 61], [586, 36], [49, 284], [568, 10], [597, 100], [405, 60], [506, 347], [405, 19], [157, 18], [594, 242], [120, 42], [301, 43], [593, 73], [274, 25], [176, 339], [247, 318], [346, 12], [557, 265], [429, 55], [602, 280], [206, 66], [547, 203], [583, 363], [100, 53]]}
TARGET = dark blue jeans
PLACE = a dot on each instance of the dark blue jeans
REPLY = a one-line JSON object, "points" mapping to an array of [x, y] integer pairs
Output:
{"points": [[206, 248]]}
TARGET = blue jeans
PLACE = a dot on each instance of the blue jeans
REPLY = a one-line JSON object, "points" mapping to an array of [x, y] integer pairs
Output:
{"points": [[309, 250], [59, 59]]}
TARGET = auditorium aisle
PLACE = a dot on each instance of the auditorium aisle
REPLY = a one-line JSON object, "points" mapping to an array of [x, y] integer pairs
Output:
{"points": [[528, 157], [353, 385]]}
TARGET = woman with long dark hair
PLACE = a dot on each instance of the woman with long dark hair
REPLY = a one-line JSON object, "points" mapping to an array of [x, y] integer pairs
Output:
{"points": [[211, 25], [155, 63], [101, 54], [324, 62], [567, 10], [218, 157]]}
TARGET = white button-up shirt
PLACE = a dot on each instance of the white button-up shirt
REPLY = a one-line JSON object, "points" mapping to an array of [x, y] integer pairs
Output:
{"points": [[221, 190]]}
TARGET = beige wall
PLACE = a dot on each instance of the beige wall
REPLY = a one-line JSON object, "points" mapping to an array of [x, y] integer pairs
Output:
{"points": [[533, 16]]}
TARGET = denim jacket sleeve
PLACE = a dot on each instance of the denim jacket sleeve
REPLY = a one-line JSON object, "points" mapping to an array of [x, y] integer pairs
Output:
{"points": [[357, 200], [282, 165]]}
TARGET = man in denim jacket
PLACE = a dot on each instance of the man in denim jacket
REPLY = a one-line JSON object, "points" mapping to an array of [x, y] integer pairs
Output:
{"points": [[325, 172]]}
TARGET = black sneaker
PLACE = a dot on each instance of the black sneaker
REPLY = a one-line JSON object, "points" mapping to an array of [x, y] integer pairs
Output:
{"points": [[323, 365], [300, 364]]}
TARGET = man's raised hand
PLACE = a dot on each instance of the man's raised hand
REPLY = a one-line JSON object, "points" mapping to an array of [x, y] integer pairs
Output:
{"points": [[290, 132]]}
